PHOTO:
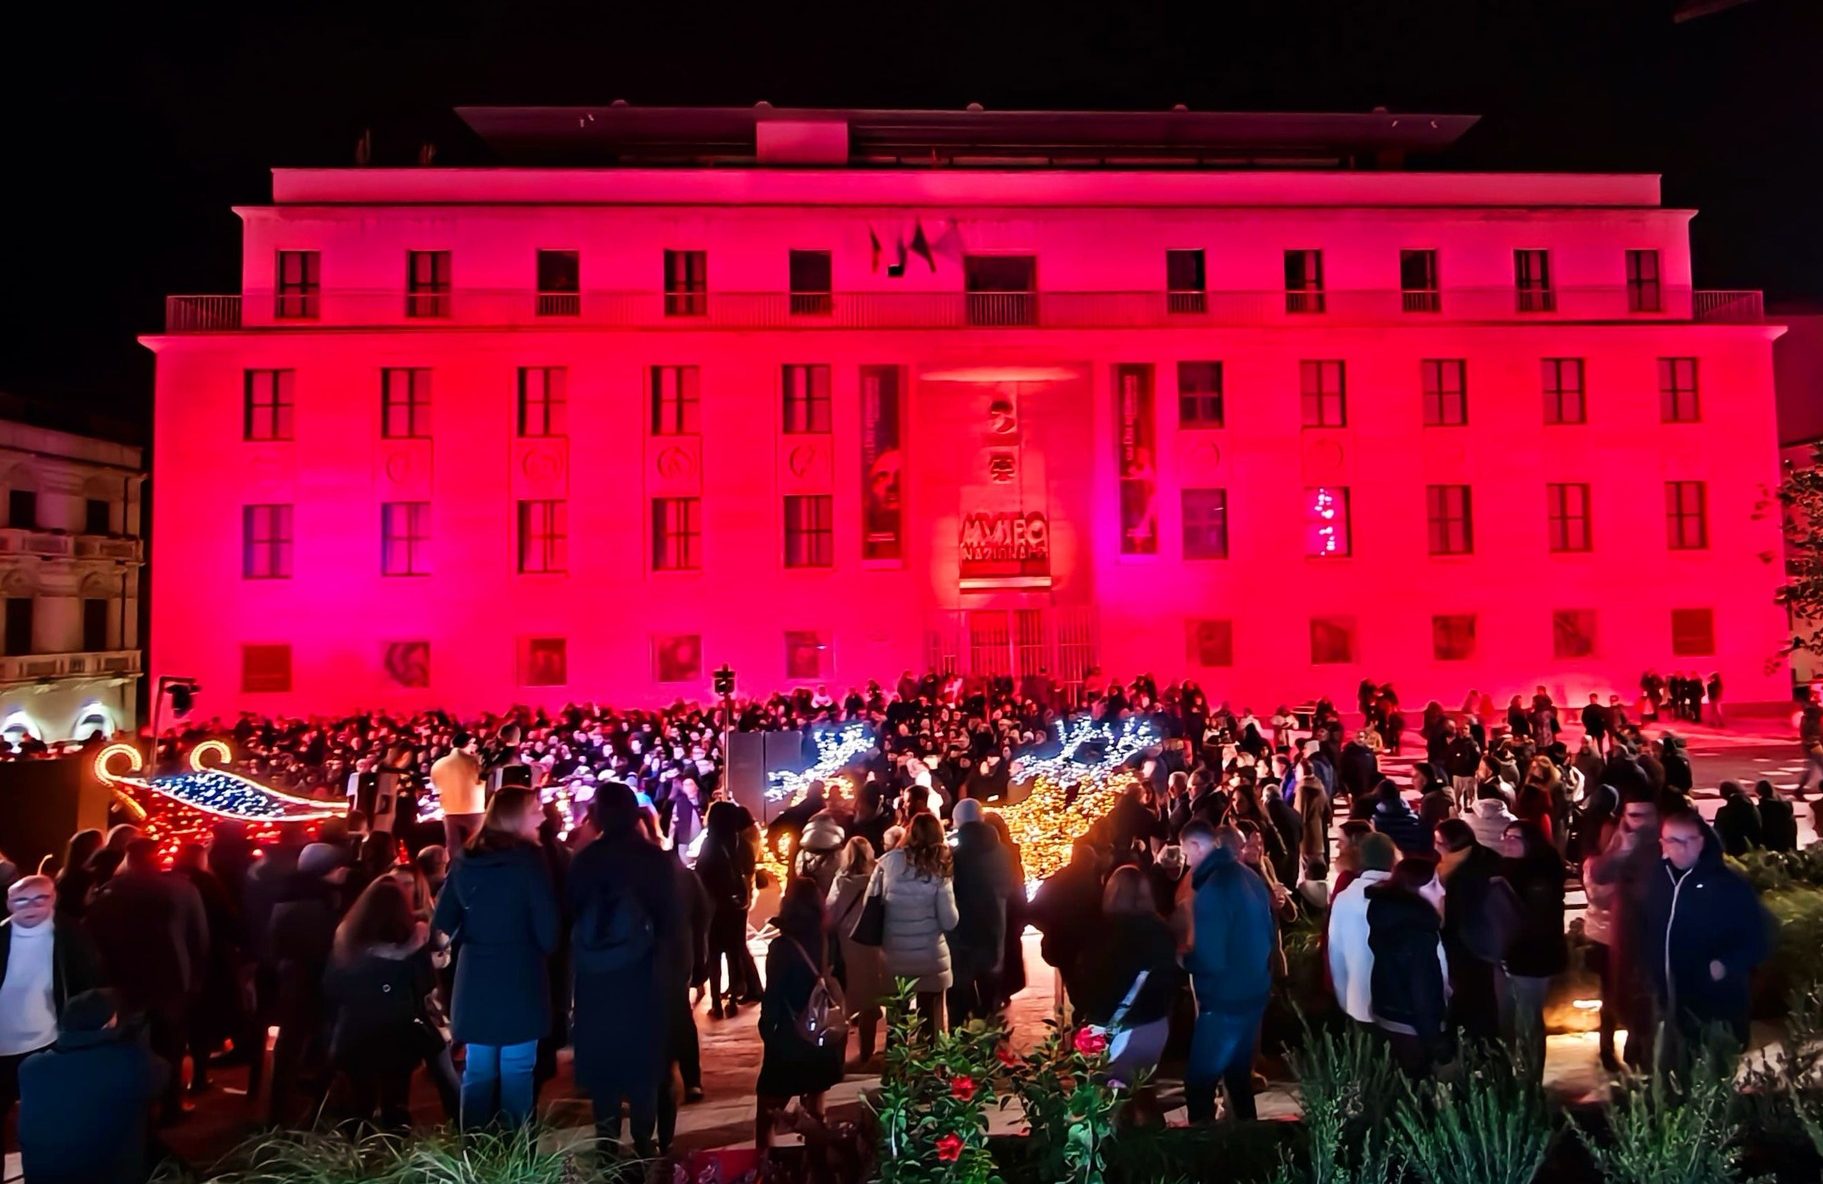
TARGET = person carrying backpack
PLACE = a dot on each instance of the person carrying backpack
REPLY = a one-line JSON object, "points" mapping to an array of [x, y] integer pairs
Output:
{"points": [[803, 1018], [623, 896]]}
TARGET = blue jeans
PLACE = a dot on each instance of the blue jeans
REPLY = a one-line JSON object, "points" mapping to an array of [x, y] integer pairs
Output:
{"points": [[496, 1082], [1221, 1052]]}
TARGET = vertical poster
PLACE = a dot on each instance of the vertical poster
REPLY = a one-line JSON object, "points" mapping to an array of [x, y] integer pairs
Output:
{"points": [[882, 489], [1137, 446]]}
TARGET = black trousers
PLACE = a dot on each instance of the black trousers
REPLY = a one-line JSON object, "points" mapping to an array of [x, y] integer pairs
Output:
{"points": [[683, 1044]]}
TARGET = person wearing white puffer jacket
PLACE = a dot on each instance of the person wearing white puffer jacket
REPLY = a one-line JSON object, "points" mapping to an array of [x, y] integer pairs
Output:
{"points": [[915, 879], [1490, 816]]}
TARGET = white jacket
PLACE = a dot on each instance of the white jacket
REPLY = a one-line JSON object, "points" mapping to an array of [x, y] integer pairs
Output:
{"points": [[919, 912], [1351, 959], [1489, 820]]}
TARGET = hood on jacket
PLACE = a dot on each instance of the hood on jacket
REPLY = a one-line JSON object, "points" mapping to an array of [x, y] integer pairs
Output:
{"points": [[1492, 808]]}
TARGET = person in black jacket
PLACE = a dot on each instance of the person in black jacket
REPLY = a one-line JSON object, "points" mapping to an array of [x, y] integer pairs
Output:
{"points": [[83, 1104], [724, 862], [1537, 952], [379, 975], [1133, 937], [690, 968], [790, 1065], [1705, 931], [1396, 820], [1409, 1002], [625, 949], [1478, 921], [984, 885], [215, 1008], [1737, 822], [302, 910], [1677, 764], [1067, 909], [1778, 821], [501, 916]]}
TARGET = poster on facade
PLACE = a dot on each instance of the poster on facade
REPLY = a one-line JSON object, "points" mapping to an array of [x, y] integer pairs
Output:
{"points": [[882, 433], [1004, 545], [1138, 449]]}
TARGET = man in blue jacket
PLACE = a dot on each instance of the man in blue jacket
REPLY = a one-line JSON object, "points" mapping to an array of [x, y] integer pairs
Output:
{"points": [[1229, 960], [1705, 931], [83, 1103]]}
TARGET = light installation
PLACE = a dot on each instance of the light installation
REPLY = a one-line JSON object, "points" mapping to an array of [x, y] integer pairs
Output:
{"points": [[836, 750], [178, 808], [1327, 523]]}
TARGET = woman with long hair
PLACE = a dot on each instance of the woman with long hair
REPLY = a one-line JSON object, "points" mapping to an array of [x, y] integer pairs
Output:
{"points": [[866, 983], [791, 1066], [1536, 953], [379, 975], [914, 879], [500, 913], [724, 863], [75, 879], [1133, 938]]}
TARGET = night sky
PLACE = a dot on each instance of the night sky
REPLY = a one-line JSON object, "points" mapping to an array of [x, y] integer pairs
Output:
{"points": [[133, 129]]}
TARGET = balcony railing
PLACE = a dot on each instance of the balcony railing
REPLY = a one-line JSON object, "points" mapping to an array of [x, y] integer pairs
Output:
{"points": [[18, 668], [52, 544], [107, 546], [689, 311]]}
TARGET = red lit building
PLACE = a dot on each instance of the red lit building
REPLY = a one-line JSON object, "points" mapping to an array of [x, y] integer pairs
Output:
{"points": [[830, 395]]}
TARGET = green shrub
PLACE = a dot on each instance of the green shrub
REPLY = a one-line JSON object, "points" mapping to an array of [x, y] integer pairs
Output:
{"points": [[1489, 1124], [426, 1157], [934, 1094], [1799, 914], [1671, 1128], [1348, 1085]]}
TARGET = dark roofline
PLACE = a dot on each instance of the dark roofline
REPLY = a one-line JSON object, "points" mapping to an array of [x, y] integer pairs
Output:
{"points": [[622, 134]]}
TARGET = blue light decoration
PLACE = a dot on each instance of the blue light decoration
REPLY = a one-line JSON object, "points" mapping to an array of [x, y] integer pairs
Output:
{"points": [[1067, 794], [836, 751]]}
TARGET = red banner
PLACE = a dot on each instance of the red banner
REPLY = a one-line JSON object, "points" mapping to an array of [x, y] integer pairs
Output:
{"points": [[1137, 456]]}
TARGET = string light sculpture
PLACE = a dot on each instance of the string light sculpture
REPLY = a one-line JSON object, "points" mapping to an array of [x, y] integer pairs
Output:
{"points": [[835, 752], [180, 808], [1051, 818]]}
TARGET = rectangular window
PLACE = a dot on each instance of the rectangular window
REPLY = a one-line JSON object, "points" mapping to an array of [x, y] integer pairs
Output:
{"points": [[1002, 289], [1303, 281], [1453, 637], [686, 283], [1563, 391], [405, 539], [1418, 287], [266, 669], [806, 391], [1643, 293], [1677, 393], [267, 404], [543, 401], [676, 533], [806, 655], [677, 657], [1205, 523], [427, 283], [1532, 281], [97, 516], [1452, 528], [1326, 522], [810, 531], [1686, 515], [266, 542], [1446, 392], [405, 404], [1573, 633], [19, 613], [1692, 632], [94, 624], [1332, 640], [559, 283], [1323, 394], [1209, 642], [544, 662], [810, 278], [1199, 395], [544, 537], [1186, 288], [1567, 518], [300, 285], [674, 401], [22, 509]]}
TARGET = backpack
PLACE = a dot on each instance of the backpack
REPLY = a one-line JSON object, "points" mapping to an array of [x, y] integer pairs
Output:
{"points": [[613, 932], [823, 1020]]}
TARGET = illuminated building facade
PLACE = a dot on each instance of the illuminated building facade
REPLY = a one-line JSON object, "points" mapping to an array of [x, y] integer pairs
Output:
{"points": [[832, 395]]}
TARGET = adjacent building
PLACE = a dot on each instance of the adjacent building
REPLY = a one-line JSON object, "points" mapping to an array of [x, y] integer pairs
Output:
{"points": [[830, 395], [70, 562]]}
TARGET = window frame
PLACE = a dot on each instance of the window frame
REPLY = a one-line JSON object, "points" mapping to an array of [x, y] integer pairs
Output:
{"points": [[810, 299], [1569, 528], [1678, 403], [676, 545], [554, 299], [809, 535], [546, 407], [678, 412], [1201, 410], [807, 406], [543, 535], [686, 282], [1679, 516], [405, 539], [1445, 383], [1532, 286], [1552, 370], [1180, 298], [427, 295], [1208, 524], [299, 297], [279, 413], [1427, 298], [1449, 516], [1324, 398], [267, 540], [415, 405], [1308, 295], [1645, 293]]}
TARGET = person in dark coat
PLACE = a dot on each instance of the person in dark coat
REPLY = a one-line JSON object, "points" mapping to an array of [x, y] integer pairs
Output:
{"points": [[1537, 953], [1066, 910], [1405, 933], [215, 1008], [1479, 915], [501, 916], [1133, 937], [1677, 764], [689, 968], [1778, 821], [378, 978], [75, 879], [1232, 942], [984, 884], [790, 1065], [1012, 960], [1737, 822], [1399, 822], [1705, 931], [625, 949], [1359, 772], [1622, 876], [153, 934], [725, 864], [83, 1105]]}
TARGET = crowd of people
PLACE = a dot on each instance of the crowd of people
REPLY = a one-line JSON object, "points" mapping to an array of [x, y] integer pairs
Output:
{"points": [[378, 956]]}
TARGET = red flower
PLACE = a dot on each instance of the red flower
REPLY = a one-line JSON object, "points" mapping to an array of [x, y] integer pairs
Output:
{"points": [[1090, 1043], [1008, 1057], [962, 1088], [949, 1148]]}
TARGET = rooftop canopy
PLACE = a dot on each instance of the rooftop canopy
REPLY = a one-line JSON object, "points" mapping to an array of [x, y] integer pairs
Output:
{"points": [[619, 134]]}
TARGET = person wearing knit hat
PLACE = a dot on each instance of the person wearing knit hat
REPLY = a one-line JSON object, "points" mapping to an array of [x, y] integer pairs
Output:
{"points": [[1351, 959], [84, 1102], [967, 810], [818, 850]]}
